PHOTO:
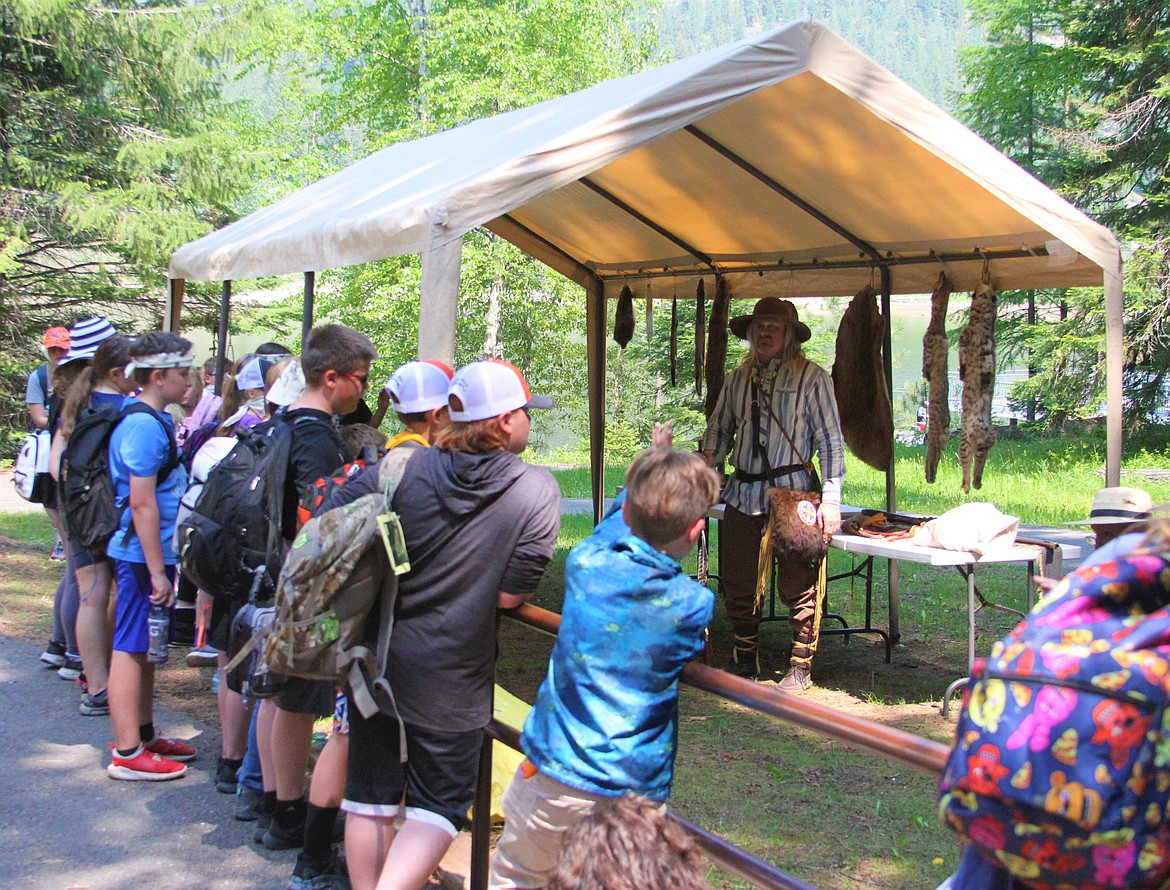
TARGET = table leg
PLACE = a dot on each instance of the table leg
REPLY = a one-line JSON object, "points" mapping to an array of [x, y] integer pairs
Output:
{"points": [[970, 573], [892, 578]]}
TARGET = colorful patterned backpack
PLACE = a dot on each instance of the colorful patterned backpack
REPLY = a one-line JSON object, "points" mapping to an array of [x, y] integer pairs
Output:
{"points": [[1060, 772]]}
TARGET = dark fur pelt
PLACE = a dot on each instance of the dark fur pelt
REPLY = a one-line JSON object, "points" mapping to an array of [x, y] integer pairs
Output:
{"points": [[792, 538], [859, 381], [623, 318], [717, 345]]}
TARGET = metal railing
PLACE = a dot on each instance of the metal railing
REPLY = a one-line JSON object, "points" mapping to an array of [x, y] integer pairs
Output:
{"points": [[906, 748]]}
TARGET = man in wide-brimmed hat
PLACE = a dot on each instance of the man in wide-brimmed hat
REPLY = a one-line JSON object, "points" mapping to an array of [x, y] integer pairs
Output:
{"points": [[775, 411]]}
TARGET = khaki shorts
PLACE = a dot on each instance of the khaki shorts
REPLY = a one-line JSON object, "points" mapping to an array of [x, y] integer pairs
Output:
{"points": [[538, 813]]}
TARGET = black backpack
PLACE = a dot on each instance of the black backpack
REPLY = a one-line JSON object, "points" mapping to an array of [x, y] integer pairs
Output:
{"points": [[230, 545], [88, 504]]}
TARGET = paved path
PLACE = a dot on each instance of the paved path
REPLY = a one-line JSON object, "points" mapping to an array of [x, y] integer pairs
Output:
{"points": [[68, 826]]}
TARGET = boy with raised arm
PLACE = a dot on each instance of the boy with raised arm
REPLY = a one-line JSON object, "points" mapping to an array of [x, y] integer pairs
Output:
{"points": [[606, 717]]}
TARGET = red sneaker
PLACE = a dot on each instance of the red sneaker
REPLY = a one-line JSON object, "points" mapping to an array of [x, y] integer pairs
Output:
{"points": [[172, 750], [144, 766]]}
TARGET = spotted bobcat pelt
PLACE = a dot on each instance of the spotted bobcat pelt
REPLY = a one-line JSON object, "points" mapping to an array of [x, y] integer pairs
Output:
{"points": [[935, 347], [977, 371]]}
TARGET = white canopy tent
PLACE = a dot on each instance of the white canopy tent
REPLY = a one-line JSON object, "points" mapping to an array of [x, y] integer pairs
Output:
{"points": [[789, 163]]}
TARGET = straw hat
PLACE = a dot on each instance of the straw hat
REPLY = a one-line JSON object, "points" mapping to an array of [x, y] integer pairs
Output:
{"points": [[771, 307], [1112, 506]]}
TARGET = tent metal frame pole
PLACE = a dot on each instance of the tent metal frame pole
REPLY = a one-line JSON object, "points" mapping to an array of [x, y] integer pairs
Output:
{"points": [[979, 255], [583, 270], [221, 341], [891, 491], [788, 194], [307, 307], [595, 319], [647, 221], [173, 305]]}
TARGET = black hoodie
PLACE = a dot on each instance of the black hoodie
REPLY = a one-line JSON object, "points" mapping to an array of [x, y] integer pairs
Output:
{"points": [[475, 525]]}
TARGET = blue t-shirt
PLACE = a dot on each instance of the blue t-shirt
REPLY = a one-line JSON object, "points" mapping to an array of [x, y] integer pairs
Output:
{"points": [[606, 716], [139, 447]]}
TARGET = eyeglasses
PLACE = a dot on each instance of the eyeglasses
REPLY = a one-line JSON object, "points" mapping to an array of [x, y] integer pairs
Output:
{"points": [[362, 380]]}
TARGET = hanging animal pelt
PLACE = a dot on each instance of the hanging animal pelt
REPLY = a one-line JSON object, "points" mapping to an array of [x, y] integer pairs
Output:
{"points": [[700, 334], [977, 371], [674, 342], [623, 318], [859, 381], [935, 347], [717, 344]]}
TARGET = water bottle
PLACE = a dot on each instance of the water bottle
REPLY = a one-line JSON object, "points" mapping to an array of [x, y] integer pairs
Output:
{"points": [[159, 625]]}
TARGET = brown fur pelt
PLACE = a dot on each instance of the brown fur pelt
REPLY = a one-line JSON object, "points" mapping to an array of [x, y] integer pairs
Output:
{"points": [[792, 537], [859, 382], [717, 345], [935, 347], [623, 318], [700, 334], [977, 371]]}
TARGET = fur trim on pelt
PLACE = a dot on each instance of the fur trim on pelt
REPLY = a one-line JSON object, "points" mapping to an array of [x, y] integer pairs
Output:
{"points": [[796, 535]]}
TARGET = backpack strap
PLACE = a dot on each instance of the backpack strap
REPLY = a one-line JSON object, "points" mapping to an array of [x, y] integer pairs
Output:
{"points": [[137, 407], [369, 688]]}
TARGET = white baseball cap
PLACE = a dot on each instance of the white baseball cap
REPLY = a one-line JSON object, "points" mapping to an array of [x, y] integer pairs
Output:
{"points": [[417, 387], [490, 388]]}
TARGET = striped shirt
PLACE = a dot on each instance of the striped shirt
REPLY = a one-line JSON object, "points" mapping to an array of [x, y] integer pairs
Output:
{"points": [[801, 397]]}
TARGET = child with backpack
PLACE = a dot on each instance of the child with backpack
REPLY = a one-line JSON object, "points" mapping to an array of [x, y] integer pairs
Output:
{"points": [[480, 526], [143, 450], [418, 395], [605, 721], [101, 388], [336, 365], [85, 336]]}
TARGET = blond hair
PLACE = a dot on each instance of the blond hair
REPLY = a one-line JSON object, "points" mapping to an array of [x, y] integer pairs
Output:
{"points": [[790, 352], [666, 491], [629, 843]]}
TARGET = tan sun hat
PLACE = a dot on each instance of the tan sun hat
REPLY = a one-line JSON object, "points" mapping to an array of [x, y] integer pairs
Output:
{"points": [[1112, 506], [771, 307]]}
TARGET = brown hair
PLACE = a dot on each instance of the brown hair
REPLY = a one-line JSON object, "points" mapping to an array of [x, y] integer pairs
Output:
{"points": [[666, 491], [154, 343], [629, 843], [357, 435], [474, 437], [112, 353], [335, 347]]}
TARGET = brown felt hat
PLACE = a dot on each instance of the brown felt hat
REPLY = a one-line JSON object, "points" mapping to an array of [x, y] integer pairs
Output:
{"points": [[770, 307]]}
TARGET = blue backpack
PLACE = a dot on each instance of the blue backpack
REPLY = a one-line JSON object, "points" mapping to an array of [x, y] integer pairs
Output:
{"points": [[1060, 773]]}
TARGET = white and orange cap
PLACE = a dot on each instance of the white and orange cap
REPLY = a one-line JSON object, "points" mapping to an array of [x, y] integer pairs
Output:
{"points": [[418, 387], [490, 388]]}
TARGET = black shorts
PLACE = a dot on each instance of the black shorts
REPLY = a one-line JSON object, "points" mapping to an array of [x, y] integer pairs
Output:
{"points": [[438, 778], [219, 623], [300, 696]]}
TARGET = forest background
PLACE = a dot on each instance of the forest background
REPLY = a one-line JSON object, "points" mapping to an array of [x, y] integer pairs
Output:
{"points": [[129, 128]]}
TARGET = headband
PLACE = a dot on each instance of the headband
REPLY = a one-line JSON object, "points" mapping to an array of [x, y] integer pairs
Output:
{"points": [[161, 360]]}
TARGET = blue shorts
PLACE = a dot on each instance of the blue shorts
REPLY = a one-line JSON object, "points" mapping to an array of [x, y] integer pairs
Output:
{"points": [[131, 627]]}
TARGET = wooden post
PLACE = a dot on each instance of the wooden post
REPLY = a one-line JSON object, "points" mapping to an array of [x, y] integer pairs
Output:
{"points": [[173, 305]]}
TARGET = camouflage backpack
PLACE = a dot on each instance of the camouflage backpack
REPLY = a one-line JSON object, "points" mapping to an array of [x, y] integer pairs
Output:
{"points": [[328, 591]]}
